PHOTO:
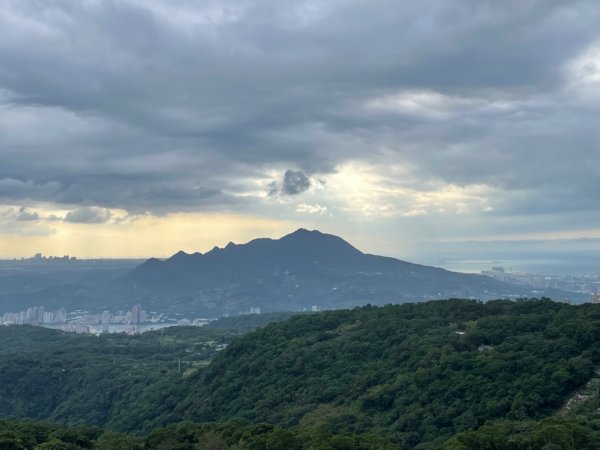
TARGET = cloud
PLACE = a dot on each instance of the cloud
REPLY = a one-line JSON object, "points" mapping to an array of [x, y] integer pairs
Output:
{"points": [[294, 182], [311, 209], [19, 221], [90, 215], [167, 107], [18, 189], [425, 104], [414, 213], [25, 215]]}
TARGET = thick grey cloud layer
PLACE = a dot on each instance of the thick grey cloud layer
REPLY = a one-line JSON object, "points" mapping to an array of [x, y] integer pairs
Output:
{"points": [[180, 105]]}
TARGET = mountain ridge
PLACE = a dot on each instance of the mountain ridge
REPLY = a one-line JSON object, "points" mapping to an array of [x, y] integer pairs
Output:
{"points": [[305, 269]]}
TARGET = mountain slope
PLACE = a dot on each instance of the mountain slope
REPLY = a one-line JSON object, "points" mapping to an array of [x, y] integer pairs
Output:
{"points": [[415, 373], [298, 271]]}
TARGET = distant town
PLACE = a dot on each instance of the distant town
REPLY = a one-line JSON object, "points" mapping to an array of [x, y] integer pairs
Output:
{"points": [[581, 284], [133, 321], [39, 259]]}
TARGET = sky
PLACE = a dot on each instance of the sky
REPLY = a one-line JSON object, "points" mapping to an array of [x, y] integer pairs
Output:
{"points": [[135, 128]]}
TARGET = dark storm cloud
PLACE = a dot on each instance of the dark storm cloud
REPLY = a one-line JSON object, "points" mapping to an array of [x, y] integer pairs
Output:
{"points": [[295, 182], [170, 105], [16, 189]]}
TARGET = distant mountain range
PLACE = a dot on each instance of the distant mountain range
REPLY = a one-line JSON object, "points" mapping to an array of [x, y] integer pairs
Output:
{"points": [[302, 270]]}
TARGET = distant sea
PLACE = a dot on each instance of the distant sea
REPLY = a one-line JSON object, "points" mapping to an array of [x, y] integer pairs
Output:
{"points": [[561, 257], [547, 266]]}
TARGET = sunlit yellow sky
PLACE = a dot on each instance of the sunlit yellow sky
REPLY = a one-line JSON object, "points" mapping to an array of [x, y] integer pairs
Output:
{"points": [[201, 123], [144, 236]]}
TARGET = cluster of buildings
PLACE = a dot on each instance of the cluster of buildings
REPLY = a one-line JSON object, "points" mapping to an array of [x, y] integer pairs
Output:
{"points": [[134, 316], [37, 315], [40, 257], [34, 316], [136, 320]]}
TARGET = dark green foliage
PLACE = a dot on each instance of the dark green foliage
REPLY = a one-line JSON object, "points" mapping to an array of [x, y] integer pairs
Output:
{"points": [[547, 434], [28, 435], [24, 434], [232, 435], [116, 380], [246, 323], [416, 373]]}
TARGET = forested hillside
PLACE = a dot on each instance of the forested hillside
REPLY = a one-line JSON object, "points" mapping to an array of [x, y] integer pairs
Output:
{"points": [[27, 435], [457, 374], [112, 380], [416, 373]]}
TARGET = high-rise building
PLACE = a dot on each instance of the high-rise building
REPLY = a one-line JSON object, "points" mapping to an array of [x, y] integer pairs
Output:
{"points": [[48, 317], [596, 298], [136, 314], [61, 316]]}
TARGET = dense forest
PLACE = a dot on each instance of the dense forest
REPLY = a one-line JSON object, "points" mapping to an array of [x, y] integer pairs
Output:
{"points": [[416, 373], [111, 380], [27, 435], [547, 434], [114, 380], [457, 374]]}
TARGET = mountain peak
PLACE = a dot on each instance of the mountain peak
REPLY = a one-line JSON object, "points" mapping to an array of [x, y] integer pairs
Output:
{"points": [[181, 256], [303, 232], [319, 243]]}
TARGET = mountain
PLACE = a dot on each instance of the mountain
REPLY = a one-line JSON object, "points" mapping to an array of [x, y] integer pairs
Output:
{"points": [[302, 270]]}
